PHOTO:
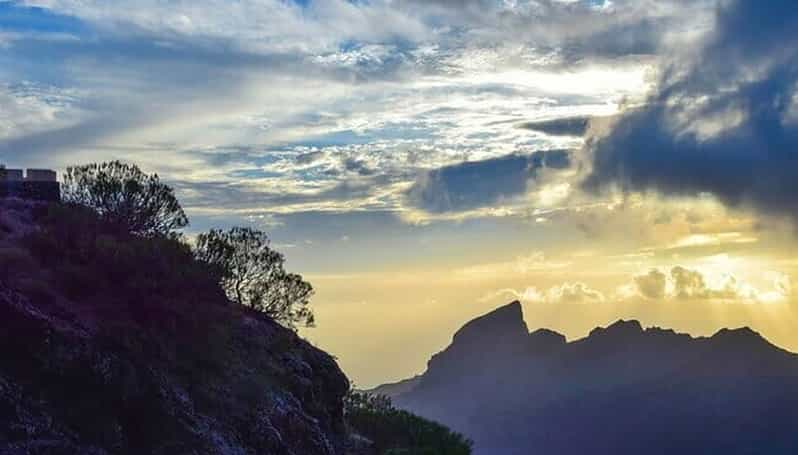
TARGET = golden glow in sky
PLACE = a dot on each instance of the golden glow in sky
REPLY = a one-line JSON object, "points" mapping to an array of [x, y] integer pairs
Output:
{"points": [[422, 163], [693, 266]]}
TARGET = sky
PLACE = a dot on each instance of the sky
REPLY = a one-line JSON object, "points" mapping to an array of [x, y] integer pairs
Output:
{"points": [[423, 162]]}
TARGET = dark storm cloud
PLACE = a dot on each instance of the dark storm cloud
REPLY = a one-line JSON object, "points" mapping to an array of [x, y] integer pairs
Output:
{"points": [[723, 122], [478, 184], [567, 126]]}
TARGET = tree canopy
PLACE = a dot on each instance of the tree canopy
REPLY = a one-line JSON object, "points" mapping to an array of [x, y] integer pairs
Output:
{"points": [[250, 272], [125, 196], [253, 274]]}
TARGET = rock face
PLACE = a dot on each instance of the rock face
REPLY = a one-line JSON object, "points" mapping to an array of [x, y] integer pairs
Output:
{"points": [[154, 374], [483, 344], [623, 389]]}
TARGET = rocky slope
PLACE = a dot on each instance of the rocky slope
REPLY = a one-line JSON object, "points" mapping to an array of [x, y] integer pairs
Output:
{"points": [[623, 389], [105, 348]]}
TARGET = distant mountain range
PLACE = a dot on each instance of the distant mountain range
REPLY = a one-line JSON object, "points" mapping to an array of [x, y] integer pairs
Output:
{"points": [[621, 390]]}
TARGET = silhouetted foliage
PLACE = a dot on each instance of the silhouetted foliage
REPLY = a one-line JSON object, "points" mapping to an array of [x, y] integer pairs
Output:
{"points": [[128, 341], [397, 432], [125, 196], [91, 256], [252, 274]]}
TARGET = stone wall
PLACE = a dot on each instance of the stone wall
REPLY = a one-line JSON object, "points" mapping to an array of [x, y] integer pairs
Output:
{"points": [[37, 184]]}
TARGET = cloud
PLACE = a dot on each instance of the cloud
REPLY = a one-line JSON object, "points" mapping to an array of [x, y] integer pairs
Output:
{"points": [[678, 284], [652, 284], [574, 293], [683, 284], [311, 106], [690, 284], [566, 293], [567, 126], [721, 119], [477, 184], [576, 29], [358, 166], [713, 239], [259, 26], [28, 108], [309, 157]]}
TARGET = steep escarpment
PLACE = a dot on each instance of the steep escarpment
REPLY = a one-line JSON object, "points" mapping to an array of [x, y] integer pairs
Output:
{"points": [[621, 389], [116, 344]]}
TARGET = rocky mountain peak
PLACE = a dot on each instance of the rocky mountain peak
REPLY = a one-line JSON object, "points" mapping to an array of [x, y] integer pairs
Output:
{"points": [[740, 338], [619, 330], [544, 340], [740, 333], [503, 323]]}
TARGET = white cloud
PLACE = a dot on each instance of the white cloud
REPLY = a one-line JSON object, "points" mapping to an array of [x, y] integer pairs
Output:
{"points": [[398, 86], [566, 293], [251, 25], [714, 239], [27, 108]]}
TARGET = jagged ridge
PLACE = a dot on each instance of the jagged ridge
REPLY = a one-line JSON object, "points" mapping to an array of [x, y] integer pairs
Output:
{"points": [[621, 389]]}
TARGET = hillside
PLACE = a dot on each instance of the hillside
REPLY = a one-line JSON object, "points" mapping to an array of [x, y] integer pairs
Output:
{"points": [[622, 389], [119, 345]]}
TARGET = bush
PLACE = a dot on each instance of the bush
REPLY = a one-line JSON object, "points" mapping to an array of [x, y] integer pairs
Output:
{"points": [[89, 255], [394, 431]]}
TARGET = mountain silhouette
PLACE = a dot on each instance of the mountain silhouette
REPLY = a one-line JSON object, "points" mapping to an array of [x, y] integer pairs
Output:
{"points": [[623, 389]]}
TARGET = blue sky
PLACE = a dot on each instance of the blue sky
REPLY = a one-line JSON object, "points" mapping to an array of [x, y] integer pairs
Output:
{"points": [[408, 144]]}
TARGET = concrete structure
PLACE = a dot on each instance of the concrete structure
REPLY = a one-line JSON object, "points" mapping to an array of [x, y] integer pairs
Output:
{"points": [[37, 184], [41, 175], [11, 175]]}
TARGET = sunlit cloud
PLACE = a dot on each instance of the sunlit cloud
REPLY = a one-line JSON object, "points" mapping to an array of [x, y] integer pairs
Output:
{"points": [[683, 284], [566, 293], [721, 238]]}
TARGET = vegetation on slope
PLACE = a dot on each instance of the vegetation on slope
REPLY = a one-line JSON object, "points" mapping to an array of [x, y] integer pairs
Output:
{"points": [[120, 337], [397, 432], [119, 343]]}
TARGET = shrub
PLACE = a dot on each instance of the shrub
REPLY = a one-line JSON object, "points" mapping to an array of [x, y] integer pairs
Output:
{"points": [[89, 254], [394, 431]]}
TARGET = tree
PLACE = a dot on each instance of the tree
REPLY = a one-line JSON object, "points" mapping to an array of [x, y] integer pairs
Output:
{"points": [[252, 274], [125, 196]]}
